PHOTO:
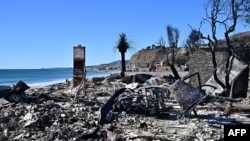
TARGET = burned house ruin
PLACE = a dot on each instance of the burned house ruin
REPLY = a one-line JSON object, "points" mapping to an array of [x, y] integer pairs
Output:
{"points": [[201, 61]]}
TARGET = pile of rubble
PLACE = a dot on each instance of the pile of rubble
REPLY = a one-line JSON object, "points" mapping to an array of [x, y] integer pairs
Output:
{"points": [[56, 116]]}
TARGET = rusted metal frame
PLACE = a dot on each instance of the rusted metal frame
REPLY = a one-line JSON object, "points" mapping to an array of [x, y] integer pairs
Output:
{"points": [[143, 89], [177, 76], [146, 95], [146, 92]]}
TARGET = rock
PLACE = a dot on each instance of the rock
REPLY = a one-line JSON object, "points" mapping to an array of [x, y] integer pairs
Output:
{"points": [[132, 85], [3, 102], [102, 100], [28, 116], [154, 81]]}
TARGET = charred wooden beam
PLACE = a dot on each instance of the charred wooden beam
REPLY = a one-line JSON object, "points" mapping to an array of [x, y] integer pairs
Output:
{"points": [[176, 75]]}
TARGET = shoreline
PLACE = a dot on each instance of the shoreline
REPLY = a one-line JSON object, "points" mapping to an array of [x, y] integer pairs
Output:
{"points": [[48, 83], [41, 84], [105, 73], [34, 82], [109, 73]]}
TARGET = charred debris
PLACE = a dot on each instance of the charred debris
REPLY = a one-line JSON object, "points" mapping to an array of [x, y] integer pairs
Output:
{"points": [[109, 108]]}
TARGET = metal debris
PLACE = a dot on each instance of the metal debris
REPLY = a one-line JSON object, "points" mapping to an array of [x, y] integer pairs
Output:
{"points": [[151, 99], [149, 111], [238, 75], [16, 93]]}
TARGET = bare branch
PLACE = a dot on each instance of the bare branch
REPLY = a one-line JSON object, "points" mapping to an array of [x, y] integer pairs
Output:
{"points": [[173, 38]]}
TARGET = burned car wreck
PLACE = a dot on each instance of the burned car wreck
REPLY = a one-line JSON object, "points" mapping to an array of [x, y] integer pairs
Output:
{"points": [[174, 96], [144, 107]]}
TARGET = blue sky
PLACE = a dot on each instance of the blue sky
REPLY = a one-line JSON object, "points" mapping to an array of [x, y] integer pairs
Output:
{"points": [[41, 34]]}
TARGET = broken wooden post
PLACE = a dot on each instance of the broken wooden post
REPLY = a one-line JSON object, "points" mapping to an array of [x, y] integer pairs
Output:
{"points": [[79, 65]]}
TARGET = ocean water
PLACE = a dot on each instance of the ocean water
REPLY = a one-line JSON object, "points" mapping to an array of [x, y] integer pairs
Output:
{"points": [[36, 77]]}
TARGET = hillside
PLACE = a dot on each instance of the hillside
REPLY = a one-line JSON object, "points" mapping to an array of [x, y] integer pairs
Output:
{"points": [[155, 55], [148, 56], [239, 39], [111, 65], [145, 57]]}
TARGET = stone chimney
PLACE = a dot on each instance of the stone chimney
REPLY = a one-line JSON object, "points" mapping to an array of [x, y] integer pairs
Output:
{"points": [[79, 72]]}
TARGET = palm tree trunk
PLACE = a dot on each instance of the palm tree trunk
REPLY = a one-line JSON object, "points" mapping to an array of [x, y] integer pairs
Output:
{"points": [[123, 69]]}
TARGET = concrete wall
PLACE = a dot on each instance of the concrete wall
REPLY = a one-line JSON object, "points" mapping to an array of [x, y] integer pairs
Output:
{"points": [[201, 61]]}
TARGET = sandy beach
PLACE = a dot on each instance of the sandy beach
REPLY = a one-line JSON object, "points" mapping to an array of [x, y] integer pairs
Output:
{"points": [[63, 115]]}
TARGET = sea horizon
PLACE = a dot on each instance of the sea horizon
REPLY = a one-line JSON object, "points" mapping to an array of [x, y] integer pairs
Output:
{"points": [[42, 76]]}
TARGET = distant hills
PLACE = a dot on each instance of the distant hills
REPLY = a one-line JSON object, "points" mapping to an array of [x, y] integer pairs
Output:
{"points": [[241, 39], [156, 54], [114, 64]]}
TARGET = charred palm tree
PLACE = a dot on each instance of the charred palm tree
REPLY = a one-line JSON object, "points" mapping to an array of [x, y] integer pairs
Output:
{"points": [[123, 45]]}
